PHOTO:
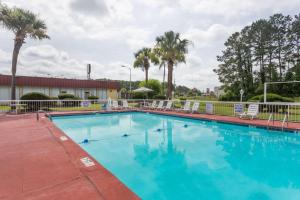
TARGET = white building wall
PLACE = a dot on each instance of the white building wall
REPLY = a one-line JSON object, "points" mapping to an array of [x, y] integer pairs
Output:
{"points": [[4, 92], [52, 92]]}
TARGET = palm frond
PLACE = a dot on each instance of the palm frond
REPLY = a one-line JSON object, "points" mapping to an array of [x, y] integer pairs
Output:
{"points": [[23, 23]]}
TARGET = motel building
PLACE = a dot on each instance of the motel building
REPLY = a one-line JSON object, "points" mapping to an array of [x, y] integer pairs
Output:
{"points": [[54, 86]]}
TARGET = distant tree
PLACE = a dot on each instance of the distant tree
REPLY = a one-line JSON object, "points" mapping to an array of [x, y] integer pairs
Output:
{"points": [[143, 57], [153, 85], [266, 51], [171, 49], [23, 24], [182, 90]]}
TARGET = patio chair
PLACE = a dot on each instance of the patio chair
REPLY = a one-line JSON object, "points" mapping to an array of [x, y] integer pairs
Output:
{"points": [[251, 113], [160, 105], [169, 106], [125, 104], [152, 106], [195, 106], [115, 105], [186, 107]]}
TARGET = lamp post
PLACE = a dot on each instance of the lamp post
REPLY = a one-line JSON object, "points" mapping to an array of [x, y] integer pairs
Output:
{"points": [[241, 93], [129, 77]]}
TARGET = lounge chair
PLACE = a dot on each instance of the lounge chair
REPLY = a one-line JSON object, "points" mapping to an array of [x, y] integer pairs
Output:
{"points": [[152, 106], [115, 105], [251, 113], [169, 106], [160, 105], [195, 106], [125, 104], [186, 107]]}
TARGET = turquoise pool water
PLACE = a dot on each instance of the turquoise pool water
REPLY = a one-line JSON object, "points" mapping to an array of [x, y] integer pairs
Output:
{"points": [[203, 160]]}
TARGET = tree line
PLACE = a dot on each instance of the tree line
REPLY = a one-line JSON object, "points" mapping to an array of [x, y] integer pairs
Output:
{"points": [[268, 50]]}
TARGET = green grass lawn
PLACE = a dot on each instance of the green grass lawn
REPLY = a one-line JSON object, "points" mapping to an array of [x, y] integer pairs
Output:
{"points": [[4, 108], [77, 108]]}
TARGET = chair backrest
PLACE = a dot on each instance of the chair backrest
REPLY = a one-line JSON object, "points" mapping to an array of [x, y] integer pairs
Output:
{"points": [[125, 104], [187, 106], [253, 109], [115, 104], [160, 104], [195, 106], [169, 105], [153, 105]]}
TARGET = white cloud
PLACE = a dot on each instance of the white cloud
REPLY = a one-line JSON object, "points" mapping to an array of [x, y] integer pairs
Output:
{"points": [[208, 37], [106, 33]]}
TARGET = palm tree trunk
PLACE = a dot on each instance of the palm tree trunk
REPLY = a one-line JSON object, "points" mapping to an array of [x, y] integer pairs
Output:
{"points": [[146, 74], [170, 78], [164, 78], [17, 47]]}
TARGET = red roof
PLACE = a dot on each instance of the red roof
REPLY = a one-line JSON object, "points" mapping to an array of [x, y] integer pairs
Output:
{"points": [[59, 82]]}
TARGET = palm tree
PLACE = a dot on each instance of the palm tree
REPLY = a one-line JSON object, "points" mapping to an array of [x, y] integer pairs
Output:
{"points": [[143, 57], [23, 24], [172, 50], [163, 64]]}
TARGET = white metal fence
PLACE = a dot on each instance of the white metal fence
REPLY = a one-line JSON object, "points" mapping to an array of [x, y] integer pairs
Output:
{"points": [[272, 111]]}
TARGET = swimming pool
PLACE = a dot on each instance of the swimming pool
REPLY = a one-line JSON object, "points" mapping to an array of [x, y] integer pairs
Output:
{"points": [[165, 157]]}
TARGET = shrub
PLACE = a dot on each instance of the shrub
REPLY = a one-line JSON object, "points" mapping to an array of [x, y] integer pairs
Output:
{"points": [[182, 98], [69, 103], [228, 96], [65, 96], [35, 96], [138, 95], [153, 85], [35, 105], [271, 98], [93, 99], [159, 96]]}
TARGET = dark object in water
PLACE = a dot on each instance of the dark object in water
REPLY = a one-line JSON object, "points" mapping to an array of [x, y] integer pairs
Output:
{"points": [[125, 135], [185, 126], [85, 141], [159, 129]]}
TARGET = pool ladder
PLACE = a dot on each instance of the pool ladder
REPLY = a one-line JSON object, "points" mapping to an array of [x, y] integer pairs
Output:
{"points": [[284, 121], [271, 117]]}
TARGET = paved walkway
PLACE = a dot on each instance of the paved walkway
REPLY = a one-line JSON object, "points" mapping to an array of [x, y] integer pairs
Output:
{"points": [[255, 122], [35, 164]]}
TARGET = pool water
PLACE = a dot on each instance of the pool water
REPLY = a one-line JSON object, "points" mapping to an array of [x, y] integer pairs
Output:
{"points": [[165, 157]]}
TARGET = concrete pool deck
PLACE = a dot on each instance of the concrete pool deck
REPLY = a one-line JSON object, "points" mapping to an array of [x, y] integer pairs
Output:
{"points": [[36, 164]]}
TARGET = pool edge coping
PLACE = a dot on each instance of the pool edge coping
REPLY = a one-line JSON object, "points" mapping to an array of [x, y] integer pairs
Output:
{"points": [[177, 114], [70, 146]]}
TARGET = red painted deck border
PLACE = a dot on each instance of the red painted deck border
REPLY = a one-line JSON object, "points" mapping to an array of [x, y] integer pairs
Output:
{"points": [[35, 164]]}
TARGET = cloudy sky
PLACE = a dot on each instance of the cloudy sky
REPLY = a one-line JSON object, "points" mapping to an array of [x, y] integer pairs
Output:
{"points": [[106, 33]]}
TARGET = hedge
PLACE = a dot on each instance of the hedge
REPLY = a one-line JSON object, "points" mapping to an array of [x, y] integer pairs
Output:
{"points": [[35, 105], [271, 98]]}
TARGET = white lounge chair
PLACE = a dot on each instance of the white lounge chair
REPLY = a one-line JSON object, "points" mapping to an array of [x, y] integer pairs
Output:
{"points": [[152, 106], [169, 105], [125, 104], [186, 107], [115, 105], [160, 105], [251, 113], [195, 106]]}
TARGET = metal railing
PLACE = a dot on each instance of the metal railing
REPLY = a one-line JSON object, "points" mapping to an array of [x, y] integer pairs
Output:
{"points": [[277, 110]]}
